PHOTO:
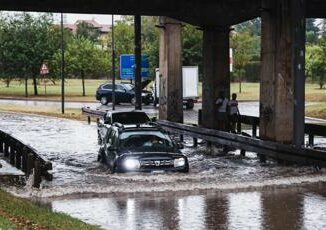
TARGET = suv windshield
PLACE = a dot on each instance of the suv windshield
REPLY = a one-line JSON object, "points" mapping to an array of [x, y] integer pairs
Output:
{"points": [[146, 140], [130, 118]]}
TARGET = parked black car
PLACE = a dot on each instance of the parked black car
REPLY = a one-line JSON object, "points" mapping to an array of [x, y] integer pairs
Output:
{"points": [[141, 148], [124, 93]]}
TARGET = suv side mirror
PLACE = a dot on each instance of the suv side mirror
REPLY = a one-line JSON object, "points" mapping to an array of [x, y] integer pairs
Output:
{"points": [[154, 119]]}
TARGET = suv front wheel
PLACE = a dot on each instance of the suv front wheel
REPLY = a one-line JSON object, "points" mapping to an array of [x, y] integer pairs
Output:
{"points": [[104, 100]]}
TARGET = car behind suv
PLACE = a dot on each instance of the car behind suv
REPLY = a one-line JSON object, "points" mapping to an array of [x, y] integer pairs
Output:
{"points": [[141, 148], [124, 118], [124, 93]]}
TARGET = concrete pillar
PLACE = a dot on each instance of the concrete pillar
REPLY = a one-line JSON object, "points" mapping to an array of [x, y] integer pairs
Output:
{"points": [[216, 77], [282, 76], [171, 107]]}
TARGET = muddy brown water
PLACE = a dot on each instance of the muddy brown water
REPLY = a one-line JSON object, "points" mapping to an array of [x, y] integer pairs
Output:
{"points": [[192, 201]]}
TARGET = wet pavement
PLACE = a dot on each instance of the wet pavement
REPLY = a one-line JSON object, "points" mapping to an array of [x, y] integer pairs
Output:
{"points": [[250, 108], [175, 201]]}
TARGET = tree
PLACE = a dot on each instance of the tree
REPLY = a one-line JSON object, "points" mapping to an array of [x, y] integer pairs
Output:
{"points": [[88, 31], [150, 42], [192, 46], [25, 43], [316, 63], [311, 31], [83, 57], [242, 45]]}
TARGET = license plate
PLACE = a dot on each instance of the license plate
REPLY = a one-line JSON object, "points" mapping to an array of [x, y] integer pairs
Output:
{"points": [[158, 171]]}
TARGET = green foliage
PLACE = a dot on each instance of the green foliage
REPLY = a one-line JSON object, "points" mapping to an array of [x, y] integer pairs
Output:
{"points": [[241, 43], [316, 62], [25, 43], [311, 31], [88, 31], [192, 46], [39, 215]]}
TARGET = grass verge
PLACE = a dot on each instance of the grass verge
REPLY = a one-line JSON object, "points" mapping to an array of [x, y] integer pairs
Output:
{"points": [[317, 110], [17, 213], [73, 90], [74, 114]]}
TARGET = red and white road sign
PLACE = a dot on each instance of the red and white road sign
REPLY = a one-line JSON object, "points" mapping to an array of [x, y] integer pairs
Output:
{"points": [[44, 69]]}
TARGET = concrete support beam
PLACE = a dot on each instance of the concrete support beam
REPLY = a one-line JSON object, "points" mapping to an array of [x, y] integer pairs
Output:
{"points": [[216, 77], [171, 107], [282, 76]]}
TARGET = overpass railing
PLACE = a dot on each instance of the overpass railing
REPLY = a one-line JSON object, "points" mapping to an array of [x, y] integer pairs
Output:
{"points": [[25, 158], [245, 142]]}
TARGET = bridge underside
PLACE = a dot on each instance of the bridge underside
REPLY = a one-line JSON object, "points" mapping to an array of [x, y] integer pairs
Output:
{"points": [[200, 13]]}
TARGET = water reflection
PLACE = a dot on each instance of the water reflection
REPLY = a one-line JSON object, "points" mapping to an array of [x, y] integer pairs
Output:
{"points": [[244, 211], [314, 211], [299, 208]]}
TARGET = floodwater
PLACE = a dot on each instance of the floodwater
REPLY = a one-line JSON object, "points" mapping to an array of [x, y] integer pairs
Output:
{"points": [[298, 208], [219, 192]]}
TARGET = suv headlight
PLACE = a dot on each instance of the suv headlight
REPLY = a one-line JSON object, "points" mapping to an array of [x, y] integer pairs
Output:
{"points": [[179, 162], [130, 164]]}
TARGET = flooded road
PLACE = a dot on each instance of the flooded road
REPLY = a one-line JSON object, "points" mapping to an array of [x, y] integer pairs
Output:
{"points": [[216, 192], [299, 208], [72, 148]]}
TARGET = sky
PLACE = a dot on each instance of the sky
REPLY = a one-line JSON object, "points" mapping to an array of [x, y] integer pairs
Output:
{"points": [[100, 18], [72, 18]]}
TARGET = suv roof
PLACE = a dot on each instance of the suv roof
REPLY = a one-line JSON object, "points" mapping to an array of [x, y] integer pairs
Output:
{"points": [[138, 127]]}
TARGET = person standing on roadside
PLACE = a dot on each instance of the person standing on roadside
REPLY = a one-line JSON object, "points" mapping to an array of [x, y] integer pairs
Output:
{"points": [[233, 112], [222, 117]]}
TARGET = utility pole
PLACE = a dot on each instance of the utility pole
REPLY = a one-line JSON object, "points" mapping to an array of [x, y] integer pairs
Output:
{"points": [[62, 68], [138, 89], [113, 63]]}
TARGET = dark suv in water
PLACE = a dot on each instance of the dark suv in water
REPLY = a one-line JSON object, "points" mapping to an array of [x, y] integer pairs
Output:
{"points": [[141, 148], [124, 93]]}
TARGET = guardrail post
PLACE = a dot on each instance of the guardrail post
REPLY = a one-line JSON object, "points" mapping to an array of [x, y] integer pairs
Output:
{"points": [[311, 139], [254, 130], [239, 125], [29, 163], [37, 178], [24, 160], [262, 158], [199, 117], [195, 140], [18, 159], [12, 154], [89, 120], [181, 138], [6, 150], [1, 144]]}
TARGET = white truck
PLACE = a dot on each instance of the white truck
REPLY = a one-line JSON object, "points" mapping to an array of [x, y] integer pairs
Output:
{"points": [[189, 86]]}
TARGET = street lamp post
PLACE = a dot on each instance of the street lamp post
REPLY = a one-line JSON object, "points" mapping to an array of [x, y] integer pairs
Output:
{"points": [[113, 64], [62, 68]]}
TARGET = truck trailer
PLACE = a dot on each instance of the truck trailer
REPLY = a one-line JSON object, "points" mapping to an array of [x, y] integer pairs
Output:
{"points": [[189, 86]]}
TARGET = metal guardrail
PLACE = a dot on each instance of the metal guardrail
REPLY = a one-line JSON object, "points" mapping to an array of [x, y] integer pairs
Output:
{"points": [[268, 148], [25, 158], [245, 143]]}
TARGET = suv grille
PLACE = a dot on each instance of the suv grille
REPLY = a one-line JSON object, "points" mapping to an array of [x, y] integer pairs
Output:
{"points": [[156, 163]]}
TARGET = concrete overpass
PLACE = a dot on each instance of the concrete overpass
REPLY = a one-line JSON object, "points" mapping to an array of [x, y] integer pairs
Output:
{"points": [[196, 12], [283, 51]]}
